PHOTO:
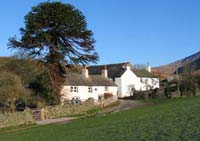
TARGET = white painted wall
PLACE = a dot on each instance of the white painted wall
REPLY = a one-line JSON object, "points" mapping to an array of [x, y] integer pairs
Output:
{"points": [[119, 84], [129, 80], [83, 93]]}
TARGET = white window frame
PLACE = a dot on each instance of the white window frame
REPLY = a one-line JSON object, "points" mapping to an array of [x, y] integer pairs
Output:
{"points": [[90, 89], [74, 89]]}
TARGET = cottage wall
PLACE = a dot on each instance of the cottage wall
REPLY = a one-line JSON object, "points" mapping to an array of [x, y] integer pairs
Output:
{"points": [[129, 82], [83, 93], [118, 82]]}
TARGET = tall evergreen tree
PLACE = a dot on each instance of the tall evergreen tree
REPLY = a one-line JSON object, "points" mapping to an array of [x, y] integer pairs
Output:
{"points": [[56, 33]]}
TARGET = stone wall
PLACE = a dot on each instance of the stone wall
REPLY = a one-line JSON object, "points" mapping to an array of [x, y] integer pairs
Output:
{"points": [[68, 110], [106, 102], [16, 119], [26, 117]]}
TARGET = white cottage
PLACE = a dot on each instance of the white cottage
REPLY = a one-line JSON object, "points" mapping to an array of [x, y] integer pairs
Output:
{"points": [[128, 78], [84, 86]]}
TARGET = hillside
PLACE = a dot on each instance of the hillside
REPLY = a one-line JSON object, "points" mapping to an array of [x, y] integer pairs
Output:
{"points": [[193, 60], [4, 60]]}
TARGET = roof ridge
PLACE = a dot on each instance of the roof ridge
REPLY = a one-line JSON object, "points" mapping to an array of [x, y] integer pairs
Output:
{"points": [[109, 64]]}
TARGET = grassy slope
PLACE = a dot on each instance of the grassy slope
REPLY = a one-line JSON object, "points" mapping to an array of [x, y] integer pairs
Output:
{"points": [[173, 120]]}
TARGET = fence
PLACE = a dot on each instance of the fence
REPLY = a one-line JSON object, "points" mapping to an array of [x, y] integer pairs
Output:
{"points": [[39, 114]]}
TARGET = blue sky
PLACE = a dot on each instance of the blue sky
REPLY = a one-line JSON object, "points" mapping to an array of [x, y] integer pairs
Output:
{"points": [[139, 31]]}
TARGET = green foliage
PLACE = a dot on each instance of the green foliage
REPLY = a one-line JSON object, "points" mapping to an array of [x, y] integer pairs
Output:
{"points": [[27, 69], [187, 82], [43, 94], [58, 32], [197, 80], [187, 87], [177, 119], [11, 89], [16, 119], [33, 76]]}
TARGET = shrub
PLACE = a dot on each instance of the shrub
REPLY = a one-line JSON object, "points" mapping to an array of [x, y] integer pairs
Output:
{"points": [[43, 94], [26, 69], [11, 90], [15, 119], [107, 95]]}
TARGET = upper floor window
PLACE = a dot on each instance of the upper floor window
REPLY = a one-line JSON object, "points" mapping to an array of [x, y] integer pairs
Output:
{"points": [[106, 88], [89, 89], [74, 89]]}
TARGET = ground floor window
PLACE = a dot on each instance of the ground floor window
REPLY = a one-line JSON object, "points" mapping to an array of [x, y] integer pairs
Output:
{"points": [[74, 89]]}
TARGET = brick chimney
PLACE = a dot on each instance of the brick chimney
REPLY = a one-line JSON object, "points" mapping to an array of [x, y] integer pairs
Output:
{"points": [[85, 72], [104, 72]]}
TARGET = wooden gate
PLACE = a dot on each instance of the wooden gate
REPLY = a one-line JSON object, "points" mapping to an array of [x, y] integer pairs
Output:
{"points": [[39, 114]]}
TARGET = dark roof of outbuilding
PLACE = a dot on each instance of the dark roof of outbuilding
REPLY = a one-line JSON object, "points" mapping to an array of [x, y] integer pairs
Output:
{"points": [[75, 79], [116, 70]]}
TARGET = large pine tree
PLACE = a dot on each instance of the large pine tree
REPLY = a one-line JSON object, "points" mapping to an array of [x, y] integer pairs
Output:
{"points": [[56, 33]]}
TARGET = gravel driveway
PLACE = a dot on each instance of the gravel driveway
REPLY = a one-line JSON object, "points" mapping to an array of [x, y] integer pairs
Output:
{"points": [[124, 105]]}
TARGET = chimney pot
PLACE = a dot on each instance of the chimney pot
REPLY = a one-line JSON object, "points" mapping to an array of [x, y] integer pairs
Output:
{"points": [[85, 72], [104, 72], [127, 66], [148, 67]]}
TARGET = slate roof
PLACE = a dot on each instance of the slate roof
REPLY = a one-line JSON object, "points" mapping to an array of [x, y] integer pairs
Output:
{"points": [[116, 70], [75, 79]]}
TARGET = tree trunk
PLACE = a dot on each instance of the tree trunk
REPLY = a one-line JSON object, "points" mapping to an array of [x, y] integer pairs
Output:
{"points": [[55, 72]]}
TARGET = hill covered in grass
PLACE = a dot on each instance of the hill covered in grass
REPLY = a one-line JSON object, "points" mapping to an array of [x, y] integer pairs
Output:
{"points": [[177, 119]]}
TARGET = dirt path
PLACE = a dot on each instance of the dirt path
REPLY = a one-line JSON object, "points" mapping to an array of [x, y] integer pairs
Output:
{"points": [[57, 120], [40, 123], [124, 105]]}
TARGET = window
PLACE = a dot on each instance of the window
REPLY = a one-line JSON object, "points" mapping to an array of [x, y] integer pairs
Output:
{"points": [[74, 89], [106, 88], [89, 89]]}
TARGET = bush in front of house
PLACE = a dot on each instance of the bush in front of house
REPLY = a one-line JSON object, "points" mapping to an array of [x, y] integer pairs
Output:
{"points": [[107, 95], [11, 90], [16, 119], [154, 93]]}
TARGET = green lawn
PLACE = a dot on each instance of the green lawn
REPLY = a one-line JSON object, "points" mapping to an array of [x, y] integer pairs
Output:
{"points": [[173, 120]]}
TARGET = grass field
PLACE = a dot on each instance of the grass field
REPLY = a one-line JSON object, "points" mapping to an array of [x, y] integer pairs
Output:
{"points": [[172, 120]]}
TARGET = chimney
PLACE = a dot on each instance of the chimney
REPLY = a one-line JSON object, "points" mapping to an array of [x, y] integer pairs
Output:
{"points": [[127, 66], [85, 72], [104, 72], [148, 67]]}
